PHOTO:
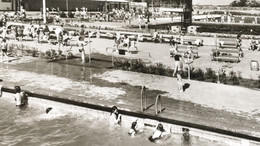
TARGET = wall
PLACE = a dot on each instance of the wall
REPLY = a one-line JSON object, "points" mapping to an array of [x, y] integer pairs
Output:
{"points": [[5, 5]]}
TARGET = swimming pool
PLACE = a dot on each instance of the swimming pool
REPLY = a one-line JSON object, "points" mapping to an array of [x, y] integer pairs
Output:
{"points": [[71, 125]]}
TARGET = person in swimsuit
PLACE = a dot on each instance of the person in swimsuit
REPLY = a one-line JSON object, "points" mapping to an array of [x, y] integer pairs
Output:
{"points": [[20, 97], [158, 133], [115, 116], [133, 129], [3, 50], [17, 96]]}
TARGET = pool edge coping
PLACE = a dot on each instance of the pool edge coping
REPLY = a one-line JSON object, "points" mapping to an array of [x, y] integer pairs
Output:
{"points": [[139, 115]]}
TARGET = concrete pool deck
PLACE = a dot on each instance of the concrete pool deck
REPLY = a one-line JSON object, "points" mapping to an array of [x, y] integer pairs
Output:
{"points": [[219, 106]]}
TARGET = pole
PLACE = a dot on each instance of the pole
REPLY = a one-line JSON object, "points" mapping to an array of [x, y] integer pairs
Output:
{"points": [[89, 44], [188, 71], [44, 11], [216, 43], [112, 57], [67, 7]]}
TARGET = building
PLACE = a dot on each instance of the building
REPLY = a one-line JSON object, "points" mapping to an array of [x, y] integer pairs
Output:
{"points": [[64, 5], [6, 5]]}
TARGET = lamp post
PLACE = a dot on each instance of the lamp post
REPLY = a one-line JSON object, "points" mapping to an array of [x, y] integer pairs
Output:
{"points": [[44, 10], [67, 7], [89, 44], [216, 43]]}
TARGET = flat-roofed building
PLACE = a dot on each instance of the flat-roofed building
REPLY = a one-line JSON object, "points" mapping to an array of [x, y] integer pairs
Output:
{"points": [[5, 5], [64, 5]]}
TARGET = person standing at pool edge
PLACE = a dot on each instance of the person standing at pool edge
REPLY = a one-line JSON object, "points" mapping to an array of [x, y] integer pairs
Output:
{"points": [[178, 69]]}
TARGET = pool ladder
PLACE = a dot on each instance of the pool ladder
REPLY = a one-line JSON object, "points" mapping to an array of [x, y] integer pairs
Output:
{"points": [[158, 102], [143, 99]]}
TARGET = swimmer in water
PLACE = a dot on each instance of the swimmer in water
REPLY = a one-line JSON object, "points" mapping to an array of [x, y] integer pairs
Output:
{"points": [[17, 96], [48, 110], [158, 133], [115, 116], [133, 129], [24, 97]]}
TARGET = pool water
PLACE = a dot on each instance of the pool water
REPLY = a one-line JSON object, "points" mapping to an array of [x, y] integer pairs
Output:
{"points": [[30, 126]]}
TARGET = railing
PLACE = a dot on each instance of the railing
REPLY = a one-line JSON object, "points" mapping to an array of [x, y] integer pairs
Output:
{"points": [[1, 89], [143, 99], [158, 102]]}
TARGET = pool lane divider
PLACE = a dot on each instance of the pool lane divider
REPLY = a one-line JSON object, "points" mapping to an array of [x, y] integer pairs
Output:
{"points": [[139, 115]]}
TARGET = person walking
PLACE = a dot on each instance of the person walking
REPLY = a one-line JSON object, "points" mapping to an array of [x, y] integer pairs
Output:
{"points": [[3, 50]]}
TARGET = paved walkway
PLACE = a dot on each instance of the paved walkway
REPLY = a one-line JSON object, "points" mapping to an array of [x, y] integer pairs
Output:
{"points": [[159, 53]]}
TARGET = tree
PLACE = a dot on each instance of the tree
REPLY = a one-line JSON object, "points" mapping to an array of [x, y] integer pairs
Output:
{"points": [[244, 3], [240, 3], [234, 4]]}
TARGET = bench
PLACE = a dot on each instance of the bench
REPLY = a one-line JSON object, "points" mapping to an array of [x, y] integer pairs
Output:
{"points": [[91, 34], [226, 50], [107, 35], [194, 41], [195, 50], [226, 58], [145, 38], [182, 50], [227, 47], [225, 43], [167, 38], [130, 36]]}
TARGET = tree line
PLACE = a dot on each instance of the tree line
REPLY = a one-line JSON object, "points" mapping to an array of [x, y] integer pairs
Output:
{"points": [[245, 3]]}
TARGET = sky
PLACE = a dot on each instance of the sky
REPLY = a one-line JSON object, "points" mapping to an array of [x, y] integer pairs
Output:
{"points": [[212, 2]]}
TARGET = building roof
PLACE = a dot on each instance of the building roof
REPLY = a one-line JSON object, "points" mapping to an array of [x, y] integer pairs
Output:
{"points": [[119, 1]]}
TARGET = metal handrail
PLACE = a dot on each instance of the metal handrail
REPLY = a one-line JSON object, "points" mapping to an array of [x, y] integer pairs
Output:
{"points": [[158, 102], [143, 99]]}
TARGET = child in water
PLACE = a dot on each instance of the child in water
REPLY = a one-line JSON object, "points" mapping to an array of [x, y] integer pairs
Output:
{"points": [[115, 116]]}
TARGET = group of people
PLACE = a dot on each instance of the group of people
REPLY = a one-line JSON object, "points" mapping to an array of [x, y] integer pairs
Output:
{"points": [[159, 131], [179, 60], [81, 14], [125, 42]]}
